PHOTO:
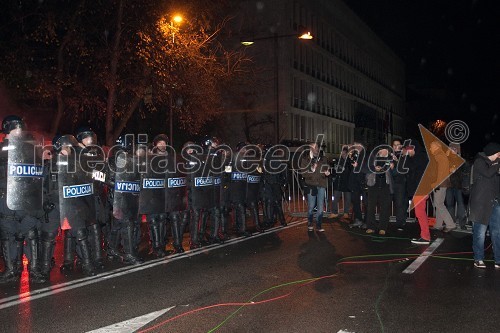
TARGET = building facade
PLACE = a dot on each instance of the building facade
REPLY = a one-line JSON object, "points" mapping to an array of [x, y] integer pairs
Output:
{"points": [[345, 83]]}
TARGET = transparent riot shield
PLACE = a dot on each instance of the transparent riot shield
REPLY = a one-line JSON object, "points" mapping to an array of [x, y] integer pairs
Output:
{"points": [[153, 184], [127, 187], [25, 172], [76, 193]]}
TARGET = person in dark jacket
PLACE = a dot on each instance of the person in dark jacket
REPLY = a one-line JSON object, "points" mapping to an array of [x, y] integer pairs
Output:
{"points": [[315, 170], [416, 161], [357, 182], [484, 203], [343, 171], [380, 188], [454, 194], [399, 196]]}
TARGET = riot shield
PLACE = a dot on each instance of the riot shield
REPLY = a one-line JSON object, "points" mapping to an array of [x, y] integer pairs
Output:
{"points": [[238, 182], [253, 185], [200, 182], [152, 196], [76, 193], [127, 187], [176, 191], [25, 173], [217, 164]]}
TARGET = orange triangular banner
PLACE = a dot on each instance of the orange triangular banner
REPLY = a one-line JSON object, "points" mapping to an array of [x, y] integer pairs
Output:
{"points": [[442, 164]]}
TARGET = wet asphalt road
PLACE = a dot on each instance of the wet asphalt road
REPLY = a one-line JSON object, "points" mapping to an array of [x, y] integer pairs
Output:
{"points": [[204, 290]]}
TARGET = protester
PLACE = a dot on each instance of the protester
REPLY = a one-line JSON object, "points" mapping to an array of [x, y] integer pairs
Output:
{"points": [[484, 203], [440, 168], [379, 181], [416, 161], [315, 170]]}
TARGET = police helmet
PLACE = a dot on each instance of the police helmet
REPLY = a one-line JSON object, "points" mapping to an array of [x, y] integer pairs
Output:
{"points": [[84, 132], [160, 137], [67, 140], [12, 122]]}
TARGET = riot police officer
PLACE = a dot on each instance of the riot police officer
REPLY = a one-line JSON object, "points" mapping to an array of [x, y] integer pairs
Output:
{"points": [[214, 161], [253, 156], [76, 202], [87, 141], [200, 189], [237, 189], [51, 220], [19, 213], [274, 179], [152, 196], [123, 165]]}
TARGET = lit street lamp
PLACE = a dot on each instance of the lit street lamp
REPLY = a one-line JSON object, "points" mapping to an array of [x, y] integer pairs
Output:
{"points": [[275, 37], [177, 19]]}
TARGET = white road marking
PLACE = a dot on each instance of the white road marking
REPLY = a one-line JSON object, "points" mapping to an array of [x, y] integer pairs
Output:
{"points": [[62, 287], [132, 325], [423, 257]]}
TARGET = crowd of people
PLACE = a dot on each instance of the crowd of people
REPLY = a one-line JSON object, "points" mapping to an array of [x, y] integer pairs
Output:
{"points": [[97, 198], [390, 175]]}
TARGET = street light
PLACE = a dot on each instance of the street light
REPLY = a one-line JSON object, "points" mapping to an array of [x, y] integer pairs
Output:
{"points": [[275, 37], [177, 19]]}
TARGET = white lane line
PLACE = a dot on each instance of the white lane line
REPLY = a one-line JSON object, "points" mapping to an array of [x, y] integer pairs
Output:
{"points": [[132, 325], [423, 257], [59, 288]]}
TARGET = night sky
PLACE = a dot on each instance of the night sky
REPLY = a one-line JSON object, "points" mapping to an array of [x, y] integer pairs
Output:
{"points": [[450, 46]]}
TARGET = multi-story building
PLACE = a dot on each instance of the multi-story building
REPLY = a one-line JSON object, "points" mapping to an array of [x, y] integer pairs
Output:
{"points": [[345, 83]]}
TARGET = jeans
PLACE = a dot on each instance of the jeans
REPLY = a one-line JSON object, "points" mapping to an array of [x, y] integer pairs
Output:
{"points": [[442, 213], [317, 201], [479, 235], [337, 197], [454, 195]]}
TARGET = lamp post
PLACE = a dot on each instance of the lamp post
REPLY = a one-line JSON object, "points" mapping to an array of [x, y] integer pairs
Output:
{"points": [[275, 38], [176, 19]]}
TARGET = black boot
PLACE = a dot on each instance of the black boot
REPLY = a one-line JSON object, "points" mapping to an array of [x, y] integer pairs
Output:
{"points": [[202, 239], [86, 255], [254, 209], [18, 260], [268, 213], [176, 232], [95, 244], [112, 250], [194, 229], [47, 245], [10, 273], [128, 236], [279, 212], [69, 252], [240, 220], [34, 262], [156, 243], [223, 235], [214, 228]]}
